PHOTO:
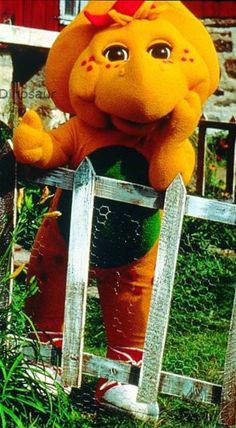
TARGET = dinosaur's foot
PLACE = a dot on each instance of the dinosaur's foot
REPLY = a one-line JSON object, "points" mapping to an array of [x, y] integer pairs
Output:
{"points": [[123, 397]]}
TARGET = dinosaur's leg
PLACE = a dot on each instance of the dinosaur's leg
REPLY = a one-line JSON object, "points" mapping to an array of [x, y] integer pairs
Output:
{"points": [[48, 264], [125, 300]]}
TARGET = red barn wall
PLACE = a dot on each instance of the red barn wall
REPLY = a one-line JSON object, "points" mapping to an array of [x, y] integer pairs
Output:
{"points": [[212, 9], [44, 13], [31, 13]]}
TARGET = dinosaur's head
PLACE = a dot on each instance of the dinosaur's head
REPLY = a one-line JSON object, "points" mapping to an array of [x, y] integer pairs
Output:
{"points": [[129, 63]]}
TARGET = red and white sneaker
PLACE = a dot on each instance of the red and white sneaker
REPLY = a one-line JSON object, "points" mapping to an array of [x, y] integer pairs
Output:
{"points": [[124, 397]]}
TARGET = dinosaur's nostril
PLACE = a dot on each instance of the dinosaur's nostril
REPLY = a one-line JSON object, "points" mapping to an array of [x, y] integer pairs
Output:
{"points": [[122, 72]]}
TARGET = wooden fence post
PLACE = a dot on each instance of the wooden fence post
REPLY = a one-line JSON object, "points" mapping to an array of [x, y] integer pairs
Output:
{"points": [[201, 157], [77, 274], [162, 291], [231, 162]]}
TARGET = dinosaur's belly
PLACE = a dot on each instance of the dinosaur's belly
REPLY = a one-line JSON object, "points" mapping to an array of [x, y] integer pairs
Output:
{"points": [[121, 232]]}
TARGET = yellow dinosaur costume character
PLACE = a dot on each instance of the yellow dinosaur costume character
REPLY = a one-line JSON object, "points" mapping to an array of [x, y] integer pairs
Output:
{"points": [[135, 75]]}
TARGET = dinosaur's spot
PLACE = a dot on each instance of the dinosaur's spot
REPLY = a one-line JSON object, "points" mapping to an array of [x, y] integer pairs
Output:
{"points": [[153, 6], [191, 59], [59, 259], [108, 65], [89, 68], [183, 59], [92, 58], [186, 50], [83, 63]]}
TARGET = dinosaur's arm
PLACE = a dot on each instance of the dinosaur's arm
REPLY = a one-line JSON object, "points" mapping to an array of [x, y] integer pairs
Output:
{"points": [[172, 153], [170, 161], [32, 145]]}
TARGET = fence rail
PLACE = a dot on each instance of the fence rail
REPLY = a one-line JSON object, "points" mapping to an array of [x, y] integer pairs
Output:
{"points": [[131, 193]]}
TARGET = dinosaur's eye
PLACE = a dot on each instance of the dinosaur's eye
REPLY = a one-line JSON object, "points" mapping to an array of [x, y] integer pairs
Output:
{"points": [[160, 50], [116, 53]]}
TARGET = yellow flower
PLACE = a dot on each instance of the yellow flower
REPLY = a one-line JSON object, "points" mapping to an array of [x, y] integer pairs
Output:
{"points": [[212, 167], [53, 214], [20, 198]]}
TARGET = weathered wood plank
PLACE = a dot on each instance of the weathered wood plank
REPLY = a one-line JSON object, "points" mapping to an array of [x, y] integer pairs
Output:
{"points": [[107, 188], [77, 274], [207, 209], [27, 36], [228, 401], [162, 291], [214, 124], [189, 388], [170, 383], [210, 209], [131, 193], [59, 177]]}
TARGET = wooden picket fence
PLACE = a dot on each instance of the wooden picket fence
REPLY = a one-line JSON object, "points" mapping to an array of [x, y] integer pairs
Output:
{"points": [[151, 380]]}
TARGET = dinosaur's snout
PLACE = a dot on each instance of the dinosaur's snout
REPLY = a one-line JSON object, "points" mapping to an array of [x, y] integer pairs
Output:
{"points": [[140, 96]]}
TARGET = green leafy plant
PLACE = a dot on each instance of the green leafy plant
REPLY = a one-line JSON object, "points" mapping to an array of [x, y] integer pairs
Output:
{"points": [[216, 160]]}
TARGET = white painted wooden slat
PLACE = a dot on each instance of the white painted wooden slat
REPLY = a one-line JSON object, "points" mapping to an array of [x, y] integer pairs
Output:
{"points": [[18, 35], [131, 193], [77, 274], [170, 383], [59, 177], [198, 207], [162, 291], [228, 401], [210, 209]]}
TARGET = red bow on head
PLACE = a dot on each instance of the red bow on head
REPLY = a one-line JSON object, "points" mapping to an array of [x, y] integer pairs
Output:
{"points": [[121, 6]]}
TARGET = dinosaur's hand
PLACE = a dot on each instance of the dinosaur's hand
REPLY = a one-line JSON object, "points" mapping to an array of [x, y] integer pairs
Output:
{"points": [[172, 153], [169, 161], [29, 138], [182, 121], [186, 115]]}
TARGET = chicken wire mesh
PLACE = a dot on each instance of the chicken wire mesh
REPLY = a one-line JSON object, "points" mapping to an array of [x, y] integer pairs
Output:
{"points": [[202, 301], [201, 305]]}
